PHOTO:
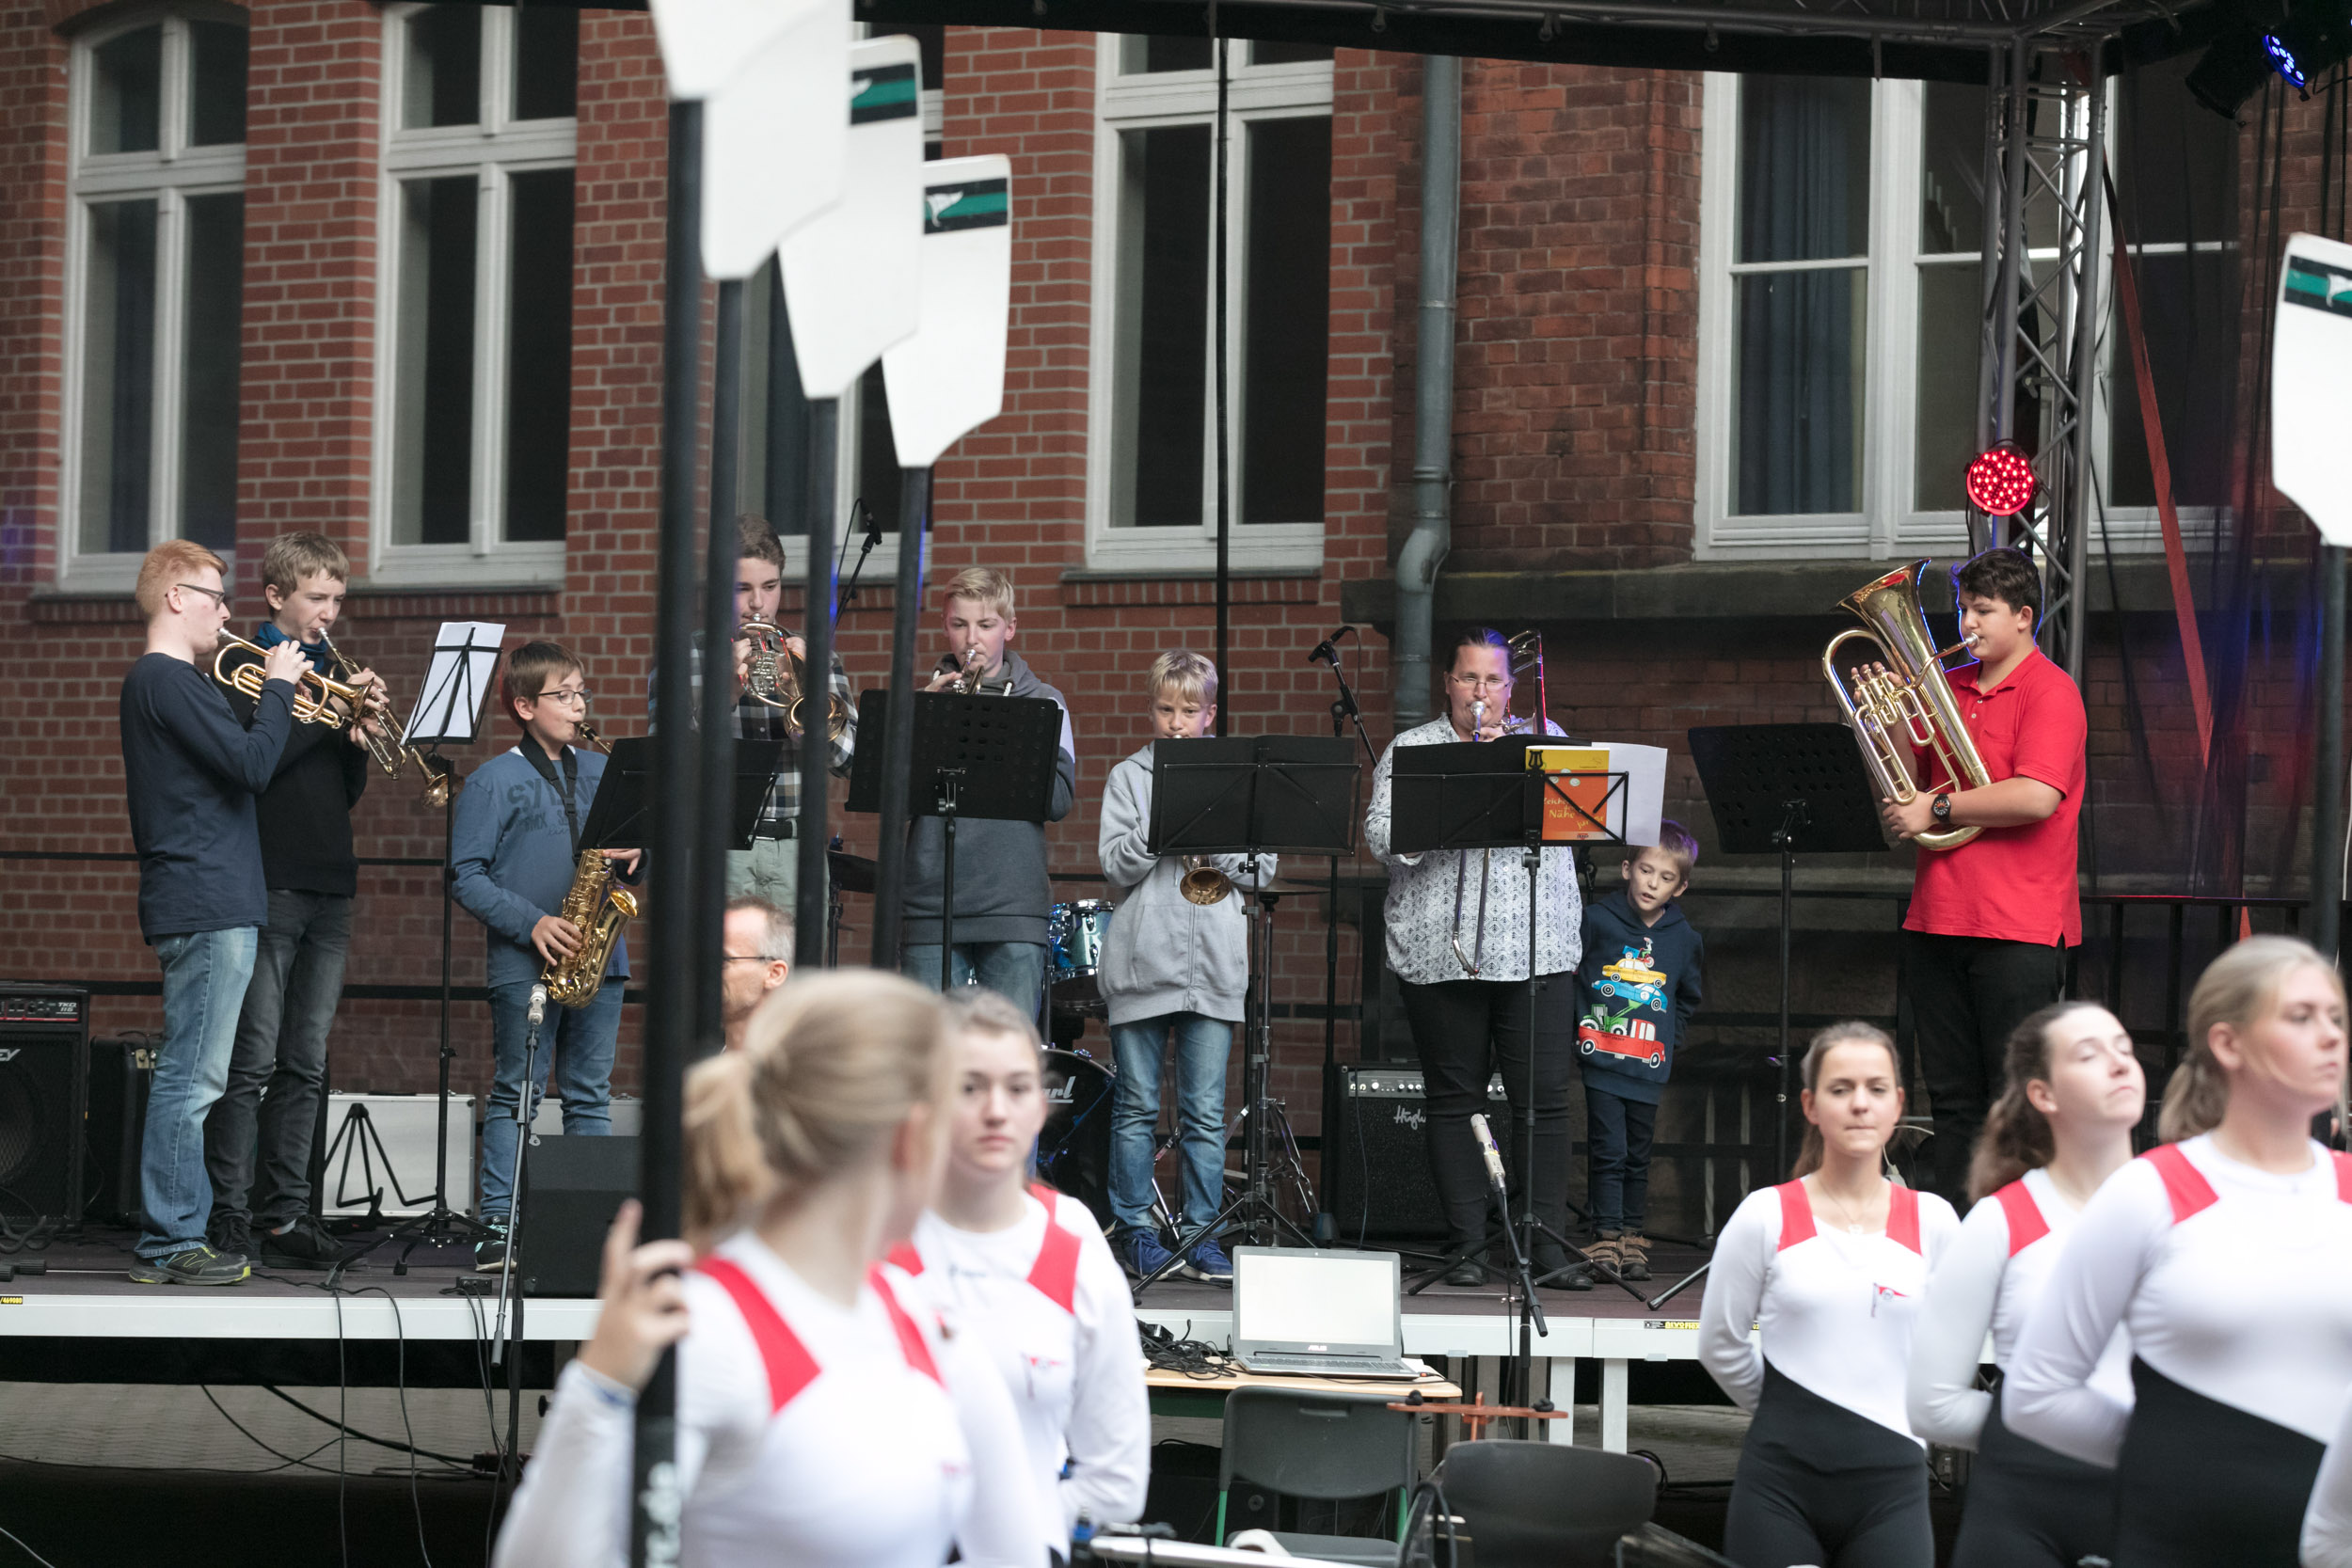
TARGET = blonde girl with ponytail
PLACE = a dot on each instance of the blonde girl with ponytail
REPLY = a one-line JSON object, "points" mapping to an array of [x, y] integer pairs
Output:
{"points": [[2061, 1126], [1829, 1268], [2225, 1254], [825, 1418]]}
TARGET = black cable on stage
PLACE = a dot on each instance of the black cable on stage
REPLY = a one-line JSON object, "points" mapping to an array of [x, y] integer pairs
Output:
{"points": [[27, 1550], [409, 1448], [304, 1459]]}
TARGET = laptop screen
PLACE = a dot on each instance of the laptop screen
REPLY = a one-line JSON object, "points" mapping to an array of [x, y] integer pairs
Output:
{"points": [[1286, 1297]]}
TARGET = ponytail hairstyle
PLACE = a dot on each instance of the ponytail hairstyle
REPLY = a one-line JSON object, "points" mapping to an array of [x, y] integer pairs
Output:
{"points": [[2017, 1136], [830, 1067], [2237, 987], [1849, 1032]]}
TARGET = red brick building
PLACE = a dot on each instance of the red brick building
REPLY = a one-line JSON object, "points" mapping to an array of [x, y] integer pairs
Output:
{"points": [[395, 272]]}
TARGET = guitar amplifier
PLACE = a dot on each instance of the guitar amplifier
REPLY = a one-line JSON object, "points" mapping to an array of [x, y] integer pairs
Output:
{"points": [[121, 1073], [1375, 1171], [44, 1056]]}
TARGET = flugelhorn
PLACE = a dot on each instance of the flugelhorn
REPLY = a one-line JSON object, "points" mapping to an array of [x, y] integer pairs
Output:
{"points": [[315, 696], [1909, 705], [386, 752], [777, 678]]}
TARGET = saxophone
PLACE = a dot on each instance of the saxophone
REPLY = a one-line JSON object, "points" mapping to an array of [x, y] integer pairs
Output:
{"points": [[597, 909]]}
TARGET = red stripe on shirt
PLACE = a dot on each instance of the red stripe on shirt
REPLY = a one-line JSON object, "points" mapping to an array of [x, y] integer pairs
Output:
{"points": [[2025, 1223], [911, 1343], [1903, 1217], [2185, 1186], [1796, 1214], [790, 1367]]}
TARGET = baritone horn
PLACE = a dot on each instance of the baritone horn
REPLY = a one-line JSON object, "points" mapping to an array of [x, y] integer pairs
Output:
{"points": [[1907, 706], [777, 679]]}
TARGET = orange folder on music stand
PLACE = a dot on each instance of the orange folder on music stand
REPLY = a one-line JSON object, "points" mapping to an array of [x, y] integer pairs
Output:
{"points": [[1600, 792]]}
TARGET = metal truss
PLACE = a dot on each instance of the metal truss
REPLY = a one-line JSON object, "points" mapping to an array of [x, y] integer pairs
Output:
{"points": [[2045, 143]]}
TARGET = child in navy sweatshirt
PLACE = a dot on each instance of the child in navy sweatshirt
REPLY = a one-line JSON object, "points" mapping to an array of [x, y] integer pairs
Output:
{"points": [[1637, 986]]}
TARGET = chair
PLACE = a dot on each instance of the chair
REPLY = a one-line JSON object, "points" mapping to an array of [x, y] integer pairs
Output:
{"points": [[1322, 1445], [1546, 1505]]}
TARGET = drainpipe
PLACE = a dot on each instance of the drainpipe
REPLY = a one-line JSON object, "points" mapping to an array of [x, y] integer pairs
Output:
{"points": [[1432, 538]]}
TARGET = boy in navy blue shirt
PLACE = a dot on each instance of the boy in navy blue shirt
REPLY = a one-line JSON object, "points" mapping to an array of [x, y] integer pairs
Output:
{"points": [[513, 854], [1637, 986]]}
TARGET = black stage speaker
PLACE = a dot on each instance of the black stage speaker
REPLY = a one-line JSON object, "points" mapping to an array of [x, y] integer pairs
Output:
{"points": [[1375, 1168], [44, 1049], [572, 1187], [121, 1073]]}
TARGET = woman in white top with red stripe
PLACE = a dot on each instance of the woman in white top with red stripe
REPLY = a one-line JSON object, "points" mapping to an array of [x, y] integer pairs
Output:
{"points": [[2228, 1255], [826, 1419], [1829, 1268], [1025, 1271], [2062, 1126]]}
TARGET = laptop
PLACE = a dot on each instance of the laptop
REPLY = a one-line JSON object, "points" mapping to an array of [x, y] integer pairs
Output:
{"points": [[1298, 1311]]}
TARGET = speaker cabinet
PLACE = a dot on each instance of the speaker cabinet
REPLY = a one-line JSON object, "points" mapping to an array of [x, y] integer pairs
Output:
{"points": [[44, 1060], [121, 1073], [1375, 1171], [572, 1187]]}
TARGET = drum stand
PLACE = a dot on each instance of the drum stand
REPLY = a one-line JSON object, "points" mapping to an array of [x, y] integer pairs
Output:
{"points": [[1253, 1210]]}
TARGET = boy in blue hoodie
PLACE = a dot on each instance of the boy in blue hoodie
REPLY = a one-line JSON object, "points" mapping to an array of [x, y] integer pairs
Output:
{"points": [[1637, 986]]}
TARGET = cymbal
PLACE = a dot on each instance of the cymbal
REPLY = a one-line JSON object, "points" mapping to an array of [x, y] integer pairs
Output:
{"points": [[851, 872]]}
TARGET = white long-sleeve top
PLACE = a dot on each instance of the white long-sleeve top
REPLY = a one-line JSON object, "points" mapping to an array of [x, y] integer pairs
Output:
{"points": [[1994, 1271], [808, 1433], [1832, 1310], [2168, 1247], [1048, 1302], [1421, 900]]}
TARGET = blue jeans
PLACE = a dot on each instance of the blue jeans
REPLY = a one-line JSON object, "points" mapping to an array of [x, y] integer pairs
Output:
{"points": [[1013, 970], [1202, 1045], [205, 975], [577, 1045], [268, 1114], [1618, 1131]]}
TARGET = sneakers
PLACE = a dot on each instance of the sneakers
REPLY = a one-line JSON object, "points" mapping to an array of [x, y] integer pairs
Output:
{"points": [[230, 1233], [1633, 1255], [1141, 1251], [1207, 1260], [489, 1254], [306, 1245], [198, 1264]]}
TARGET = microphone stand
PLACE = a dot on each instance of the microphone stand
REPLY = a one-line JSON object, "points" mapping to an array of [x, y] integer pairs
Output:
{"points": [[1344, 710], [1530, 1310], [873, 537], [524, 1115]]}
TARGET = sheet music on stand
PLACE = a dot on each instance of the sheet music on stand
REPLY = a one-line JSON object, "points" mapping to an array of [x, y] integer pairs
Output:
{"points": [[449, 705]]}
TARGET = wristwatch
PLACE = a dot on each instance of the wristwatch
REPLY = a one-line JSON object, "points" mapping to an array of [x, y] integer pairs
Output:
{"points": [[1943, 808]]}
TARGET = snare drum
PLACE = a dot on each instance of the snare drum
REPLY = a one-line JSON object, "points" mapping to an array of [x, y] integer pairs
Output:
{"points": [[1075, 935]]}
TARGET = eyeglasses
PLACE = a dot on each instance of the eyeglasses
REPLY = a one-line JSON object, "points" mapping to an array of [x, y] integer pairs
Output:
{"points": [[1479, 683], [747, 958], [570, 697], [213, 594]]}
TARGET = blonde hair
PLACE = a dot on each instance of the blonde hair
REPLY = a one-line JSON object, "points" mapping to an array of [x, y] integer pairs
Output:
{"points": [[2017, 1136], [2237, 987], [990, 587], [1850, 1030], [164, 566], [291, 557], [830, 1067], [978, 1010], [1193, 676]]}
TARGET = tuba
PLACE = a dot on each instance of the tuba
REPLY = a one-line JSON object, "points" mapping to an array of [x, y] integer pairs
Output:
{"points": [[597, 909], [777, 679], [1909, 706]]}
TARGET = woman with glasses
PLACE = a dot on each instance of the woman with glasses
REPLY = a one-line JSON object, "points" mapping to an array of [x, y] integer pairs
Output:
{"points": [[1457, 940]]}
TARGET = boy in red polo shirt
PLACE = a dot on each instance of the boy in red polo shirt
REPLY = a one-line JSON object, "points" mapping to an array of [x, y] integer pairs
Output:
{"points": [[1985, 942]]}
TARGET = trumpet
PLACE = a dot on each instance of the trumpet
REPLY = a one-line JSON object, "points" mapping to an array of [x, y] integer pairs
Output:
{"points": [[777, 678], [1909, 705], [1203, 883], [316, 696], [970, 671], [388, 754]]}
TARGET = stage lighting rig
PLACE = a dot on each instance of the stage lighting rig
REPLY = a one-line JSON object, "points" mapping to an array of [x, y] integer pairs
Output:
{"points": [[2001, 481], [2298, 40]]}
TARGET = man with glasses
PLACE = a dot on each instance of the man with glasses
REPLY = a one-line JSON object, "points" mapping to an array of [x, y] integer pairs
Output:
{"points": [[759, 958], [191, 771], [1457, 940], [512, 853]]}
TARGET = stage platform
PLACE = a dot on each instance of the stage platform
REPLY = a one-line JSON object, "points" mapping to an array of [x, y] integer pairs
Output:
{"points": [[84, 1322]]}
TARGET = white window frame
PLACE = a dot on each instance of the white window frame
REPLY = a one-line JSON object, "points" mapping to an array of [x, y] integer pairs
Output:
{"points": [[1888, 525], [494, 150], [172, 174], [1138, 102]]}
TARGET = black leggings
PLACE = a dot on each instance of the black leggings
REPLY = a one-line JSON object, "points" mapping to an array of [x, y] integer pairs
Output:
{"points": [[2031, 1507], [2201, 1482], [1818, 1485]]}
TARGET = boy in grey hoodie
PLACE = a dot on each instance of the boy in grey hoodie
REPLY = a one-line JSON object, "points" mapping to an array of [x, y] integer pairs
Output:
{"points": [[1002, 898], [1171, 968]]}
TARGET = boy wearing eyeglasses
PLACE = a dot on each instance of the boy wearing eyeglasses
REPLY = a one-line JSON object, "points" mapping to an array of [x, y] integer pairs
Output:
{"points": [[513, 853]]}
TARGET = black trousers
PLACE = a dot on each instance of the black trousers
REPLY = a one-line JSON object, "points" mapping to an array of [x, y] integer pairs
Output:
{"points": [[1617, 1133], [1967, 994], [1467, 1031]]}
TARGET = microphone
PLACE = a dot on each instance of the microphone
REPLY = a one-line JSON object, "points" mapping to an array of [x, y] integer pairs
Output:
{"points": [[1486, 1149], [538, 1006], [1327, 651]]}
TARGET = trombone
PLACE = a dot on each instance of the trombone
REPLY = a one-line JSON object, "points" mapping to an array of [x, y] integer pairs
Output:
{"points": [[315, 696]]}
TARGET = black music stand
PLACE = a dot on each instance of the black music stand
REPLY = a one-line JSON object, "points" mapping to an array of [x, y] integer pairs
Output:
{"points": [[620, 817], [1262, 795], [1786, 790], [986, 757]]}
